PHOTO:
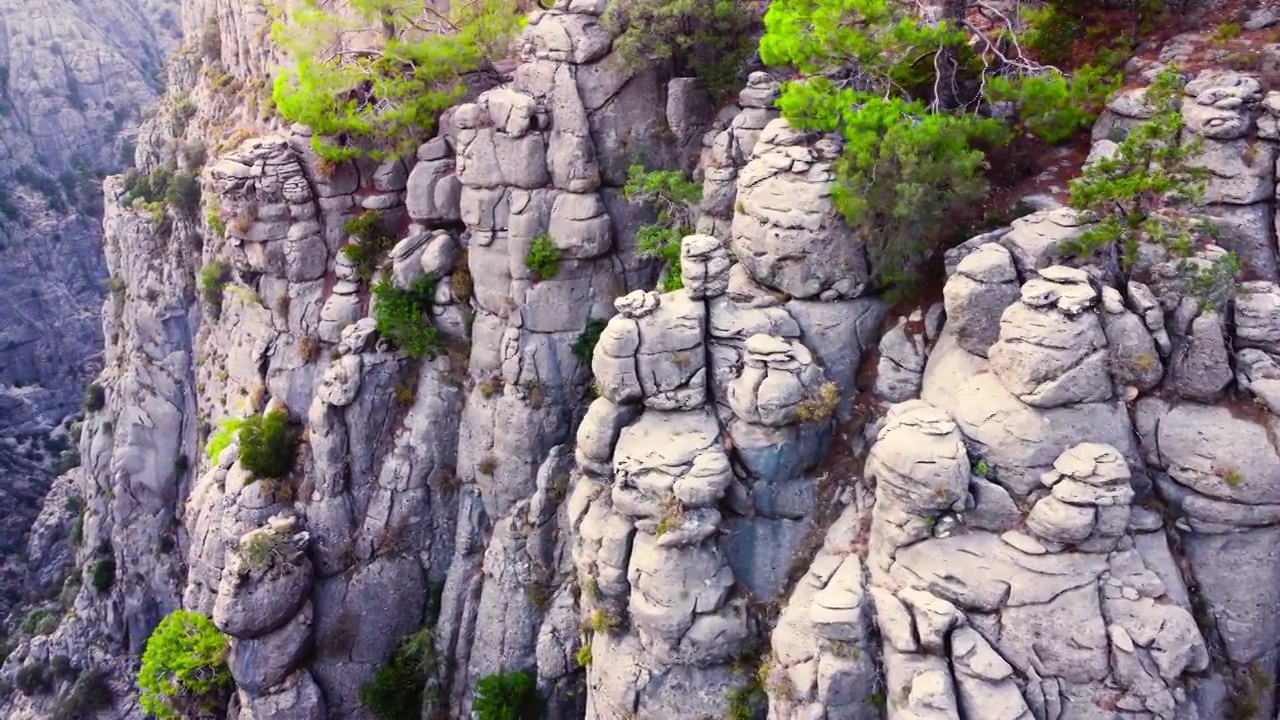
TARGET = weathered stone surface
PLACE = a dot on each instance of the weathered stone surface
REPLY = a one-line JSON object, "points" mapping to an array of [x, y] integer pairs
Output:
{"points": [[788, 234], [1051, 352], [984, 284]]}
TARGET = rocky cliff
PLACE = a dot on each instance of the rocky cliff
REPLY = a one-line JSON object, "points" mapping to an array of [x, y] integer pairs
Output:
{"points": [[74, 79], [764, 494]]}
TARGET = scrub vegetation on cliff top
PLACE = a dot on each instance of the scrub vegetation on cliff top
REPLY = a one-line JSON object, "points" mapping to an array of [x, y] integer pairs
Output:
{"points": [[371, 80]]}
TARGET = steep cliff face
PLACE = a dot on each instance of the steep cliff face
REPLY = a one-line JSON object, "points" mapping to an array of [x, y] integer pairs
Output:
{"points": [[74, 77], [1039, 497]]}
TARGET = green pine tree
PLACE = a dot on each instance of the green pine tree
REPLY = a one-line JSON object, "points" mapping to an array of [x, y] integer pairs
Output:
{"points": [[373, 79]]}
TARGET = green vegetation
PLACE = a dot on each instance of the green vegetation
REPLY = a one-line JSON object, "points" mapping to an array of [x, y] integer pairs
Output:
{"points": [[95, 398], [104, 574], [395, 690], [382, 99], [267, 444], [585, 346], [506, 696], [89, 693], [583, 656], [914, 146], [675, 199], [374, 242], [543, 259], [183, 194], [222, 437], [184, 672], [404, 316], [709, 39], [39, 622], [1140, 196], [212, 281]]}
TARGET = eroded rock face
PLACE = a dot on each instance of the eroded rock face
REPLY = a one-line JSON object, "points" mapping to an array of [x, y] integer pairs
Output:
{"points": [[1035, 503]]}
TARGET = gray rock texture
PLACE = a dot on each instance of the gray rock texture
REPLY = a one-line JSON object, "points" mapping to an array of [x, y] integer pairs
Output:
{"points": [[1042, 495]]}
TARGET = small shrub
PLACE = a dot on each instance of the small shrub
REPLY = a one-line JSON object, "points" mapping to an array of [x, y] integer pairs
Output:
{"points": [[211, 41], [1140, 195], [463, 283], [184, 672], [258, 549], [308, 348], [95, 398], [543, 259], [104, 575], [583, 656], [404, 395], [374, 242], [212, 282], [395, 690], [77, 530], [183, 194], [216, 224], [403, 316], [585, 346], [487, 465], [33, 620], [1225, 33], [821, 406], [671, 518], [506, 696], [602, 621], [675, 199], [33, 678], [89, 693], [267, 444]]}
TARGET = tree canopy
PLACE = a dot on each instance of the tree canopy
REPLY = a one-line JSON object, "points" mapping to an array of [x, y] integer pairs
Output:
{"points": [[911, 99], [370, 77]]}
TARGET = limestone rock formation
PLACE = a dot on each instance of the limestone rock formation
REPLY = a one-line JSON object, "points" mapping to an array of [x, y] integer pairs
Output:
{"points": [[1046, 493]]}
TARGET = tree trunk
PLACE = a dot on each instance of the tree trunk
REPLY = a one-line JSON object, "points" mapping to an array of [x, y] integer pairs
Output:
{"points": [[953, 12]]}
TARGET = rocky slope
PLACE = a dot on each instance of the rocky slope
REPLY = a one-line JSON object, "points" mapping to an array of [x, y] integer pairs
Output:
{"points": [[74, 77], [1039, 497]]}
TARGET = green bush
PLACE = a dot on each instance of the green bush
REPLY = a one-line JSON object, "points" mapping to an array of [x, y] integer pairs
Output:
{"points": [[33, 678], [95, 398], [383, 100], [184, 670], [267, 444], [675, 199], [212, 281], [506, 696], [222, 437], [216, 224], [543, 259], [403, 316], [395, 690], [709, 39], [183, 194], [585, 346], [104, 574], [375, 241]]}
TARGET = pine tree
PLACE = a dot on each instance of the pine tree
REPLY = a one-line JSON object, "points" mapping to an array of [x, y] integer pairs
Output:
{"points": [[906, 95], [370, 77]]}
